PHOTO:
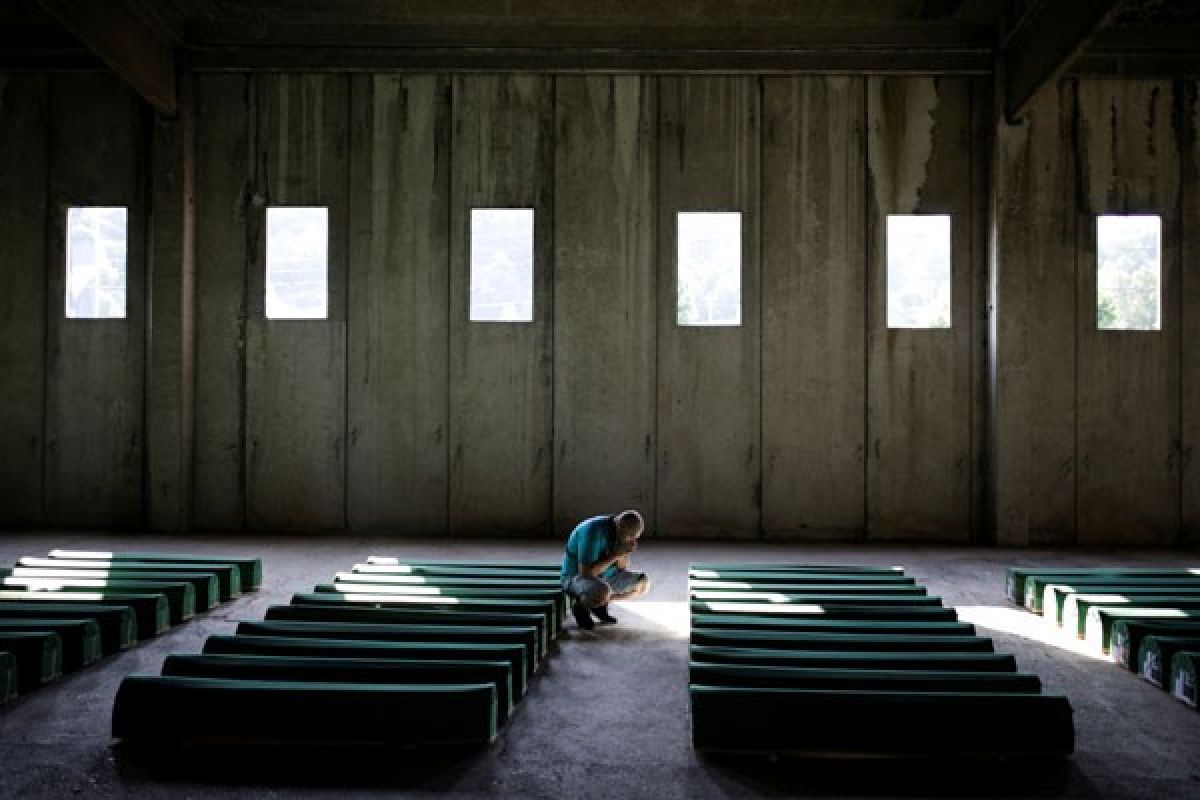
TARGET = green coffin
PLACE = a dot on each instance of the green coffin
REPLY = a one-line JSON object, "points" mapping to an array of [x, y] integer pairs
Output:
{"points": [[880, 723], [1101, 620], [861, 610], [404, 632], [81, 643], [552, 567], [816, 659], [470, 581], [250, 569], [229, 577], [207, 588], [1127, 634], [514, 654], [815, 599], [775, 577], [151, 610], [118, 624], [1184, 668], [801, 625], [8, 677], [419, 616], [844, 642], [555, 594], [181, 597], [1064, 598], [1155, 654], [755, 675], [548, 608], [807, 588], [1035, 587], [766, 566], [38, 656], [1078, 606], [1016, 576], [182, 709], [349, 670]]}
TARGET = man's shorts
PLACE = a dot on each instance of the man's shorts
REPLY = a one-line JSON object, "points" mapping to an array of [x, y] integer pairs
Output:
{"points": [[590, 591]]}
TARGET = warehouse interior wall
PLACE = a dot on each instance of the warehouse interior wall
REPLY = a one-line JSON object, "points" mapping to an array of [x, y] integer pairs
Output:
{"points": [[810, 420]]}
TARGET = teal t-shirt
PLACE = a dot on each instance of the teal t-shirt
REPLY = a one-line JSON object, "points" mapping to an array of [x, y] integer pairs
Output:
{"points": [[590, 542]]}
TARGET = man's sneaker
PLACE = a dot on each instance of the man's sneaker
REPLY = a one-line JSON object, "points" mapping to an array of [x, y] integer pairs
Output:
{"points": [[582, 617], [603, 617]]}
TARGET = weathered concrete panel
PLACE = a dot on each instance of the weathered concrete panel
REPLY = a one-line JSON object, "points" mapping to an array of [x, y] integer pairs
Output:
{"points": [[398, 304], [171, 281], [500, 418], [813, 348], [1034, 475], [709, 387], [1128, 390], [23, 161], [94, 369], [1188, 120], [604, 289], [296, 369], [920, 464], [225, 115]]}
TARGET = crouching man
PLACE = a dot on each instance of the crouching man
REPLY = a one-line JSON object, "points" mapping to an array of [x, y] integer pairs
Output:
{"points": [[595, 569]]}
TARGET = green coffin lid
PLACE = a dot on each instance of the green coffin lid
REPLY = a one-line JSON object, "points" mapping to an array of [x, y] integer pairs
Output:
{"points": [[800, 625], [152, 610], [229, 577], [401, 632], [884, 581], [207, 587], [514, 654], [880, 723], [901, 590], [1156, 652], [861, 610], [38, 656], [892, 680], [118, 624], [1100, 621], [250, 568], [1184, 669], [766, 566], [1016, 576], [181, 597], [420, 616], [349, 670], [1035, 586], [549, 608], [81, 643], [1063, 598], [706, 596], [169, 708], [845, 642], [1078, 606], [470, 581], [526, 566], [1127, 634], [8, 676], [831, 659]]}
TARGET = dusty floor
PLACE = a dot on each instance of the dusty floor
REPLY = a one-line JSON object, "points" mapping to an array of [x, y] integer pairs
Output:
{"points": [[608, 717]]}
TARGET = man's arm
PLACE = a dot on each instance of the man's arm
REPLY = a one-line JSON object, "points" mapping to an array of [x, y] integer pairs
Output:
{"points": [[594, 570]]}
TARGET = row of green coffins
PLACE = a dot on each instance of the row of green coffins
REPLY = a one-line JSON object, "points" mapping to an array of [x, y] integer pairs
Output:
{"points": [[415, 653], [859, 661], [1146, 619], [68, 610]]}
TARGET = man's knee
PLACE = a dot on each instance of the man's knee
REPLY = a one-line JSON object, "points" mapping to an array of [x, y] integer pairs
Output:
{"points": [[591, 593]]}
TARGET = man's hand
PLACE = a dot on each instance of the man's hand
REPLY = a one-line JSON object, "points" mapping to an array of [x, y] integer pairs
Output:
{"points": [[624, 547]]}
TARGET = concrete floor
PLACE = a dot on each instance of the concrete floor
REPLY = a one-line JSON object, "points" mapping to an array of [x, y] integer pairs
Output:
{"points": [[608, 717]]}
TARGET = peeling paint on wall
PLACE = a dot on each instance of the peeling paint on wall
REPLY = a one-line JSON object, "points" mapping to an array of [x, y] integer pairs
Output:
{"points": [[900, 139]]}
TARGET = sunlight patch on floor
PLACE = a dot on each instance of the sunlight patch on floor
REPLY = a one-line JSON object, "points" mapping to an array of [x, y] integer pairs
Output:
{"points": [[1028, 626], [671, 616]]}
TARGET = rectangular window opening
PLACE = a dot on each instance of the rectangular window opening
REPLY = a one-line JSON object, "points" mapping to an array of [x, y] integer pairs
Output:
{"points": [[918, 271], [297, 285], [1129, 272], [97, 247], [501, 278], [709, 267]]}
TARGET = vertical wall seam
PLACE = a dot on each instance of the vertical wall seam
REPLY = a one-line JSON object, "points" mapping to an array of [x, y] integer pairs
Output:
{"points": [[50, 205], [550, 248], [760, 95], [345, 296], [146, 129], [864, 135], [1076, 156], [447, 439]]}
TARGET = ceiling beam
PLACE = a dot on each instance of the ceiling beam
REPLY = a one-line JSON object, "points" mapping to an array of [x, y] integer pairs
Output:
{"points": [[126, 43], [1043, 45]]}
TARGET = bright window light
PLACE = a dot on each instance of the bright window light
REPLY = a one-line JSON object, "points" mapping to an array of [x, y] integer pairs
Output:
{"points": [[502, 265], [96, 253], [297, 262], [918, 271], [709, 259], [1128, 272]]}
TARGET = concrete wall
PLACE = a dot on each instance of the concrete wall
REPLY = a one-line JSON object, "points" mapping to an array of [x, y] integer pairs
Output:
{"points": [[810, 420], [1095, 430]]}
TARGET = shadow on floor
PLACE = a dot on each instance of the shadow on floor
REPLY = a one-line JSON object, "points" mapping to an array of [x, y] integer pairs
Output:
{"points": [[909, 777]]}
